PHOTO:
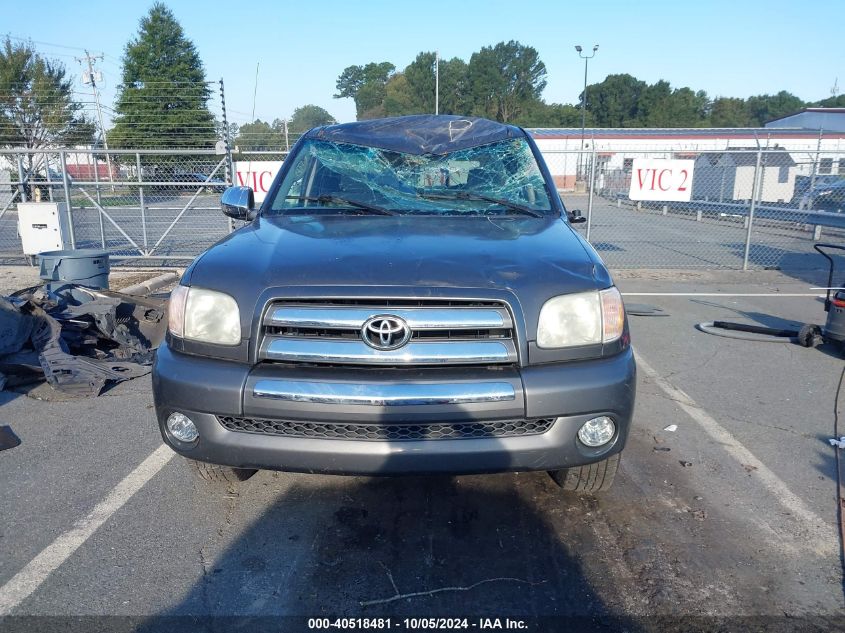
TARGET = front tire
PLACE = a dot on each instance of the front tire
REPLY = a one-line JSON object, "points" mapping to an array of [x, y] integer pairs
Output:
{"points": [[222, 474], [590, 478]]}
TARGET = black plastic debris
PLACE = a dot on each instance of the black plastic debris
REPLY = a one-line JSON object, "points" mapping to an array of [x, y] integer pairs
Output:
{"points": [[78, 339], [15, 327], [8, 439]]}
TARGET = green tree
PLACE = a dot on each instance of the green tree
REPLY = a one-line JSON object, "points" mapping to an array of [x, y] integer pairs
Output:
{"points": [[831, 102], [412, 91], [163, 100], [615, 101], [366, 85], [397, 97], [763, 108], [308, 116], [455, 95], [37, 109], [541, 114], [259, 135], [729, 112], [504, 79], [420, 77]]}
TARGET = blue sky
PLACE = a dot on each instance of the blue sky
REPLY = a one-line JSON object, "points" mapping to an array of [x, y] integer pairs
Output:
{"points": [[728, 48]]}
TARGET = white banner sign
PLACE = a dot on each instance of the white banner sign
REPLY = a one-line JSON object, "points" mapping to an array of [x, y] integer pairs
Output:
{"points": [[661, 179], [258, 174]]}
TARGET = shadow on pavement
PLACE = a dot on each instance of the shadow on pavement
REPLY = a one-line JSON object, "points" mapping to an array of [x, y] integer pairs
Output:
{"points": [[808, 267], [350, 547]]}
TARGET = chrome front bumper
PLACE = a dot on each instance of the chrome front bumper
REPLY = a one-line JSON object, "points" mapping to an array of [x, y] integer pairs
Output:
{"points": [[207, 389]]}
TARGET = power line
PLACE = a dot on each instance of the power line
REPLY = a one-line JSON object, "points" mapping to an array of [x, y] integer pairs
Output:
{"points": [[27, 39]]}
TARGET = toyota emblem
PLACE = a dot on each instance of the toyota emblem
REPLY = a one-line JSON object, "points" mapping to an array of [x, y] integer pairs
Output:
{"points": [[385, 332]]}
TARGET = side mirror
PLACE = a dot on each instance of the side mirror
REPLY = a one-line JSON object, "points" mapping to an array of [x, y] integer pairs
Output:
{"points": [[238, 203], [575, 216]]}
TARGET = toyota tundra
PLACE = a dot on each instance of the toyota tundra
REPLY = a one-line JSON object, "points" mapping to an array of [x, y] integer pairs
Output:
{"points": [[409, 297]]}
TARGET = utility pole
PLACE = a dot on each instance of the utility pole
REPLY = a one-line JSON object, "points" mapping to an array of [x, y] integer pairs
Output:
{"points": [[92, 79], [436, 82]]}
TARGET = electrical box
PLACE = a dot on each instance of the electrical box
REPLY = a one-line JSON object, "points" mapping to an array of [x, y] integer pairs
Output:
{"points": [[43, 226]]}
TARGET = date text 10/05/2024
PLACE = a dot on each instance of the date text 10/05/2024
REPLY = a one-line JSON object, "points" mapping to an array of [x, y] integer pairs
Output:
{"points": [[412, 624]]}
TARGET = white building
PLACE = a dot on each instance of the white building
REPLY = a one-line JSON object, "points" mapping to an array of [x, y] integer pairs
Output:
{"points": [[615, 148], [825, 119], [729, 176]]}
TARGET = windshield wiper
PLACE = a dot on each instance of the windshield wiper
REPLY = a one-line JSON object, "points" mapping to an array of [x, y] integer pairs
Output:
{"points": [[340, 200], [466, 195]]}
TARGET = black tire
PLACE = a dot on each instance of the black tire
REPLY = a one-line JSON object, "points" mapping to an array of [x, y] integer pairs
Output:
{"points": [[223, 474], [591, 478]]}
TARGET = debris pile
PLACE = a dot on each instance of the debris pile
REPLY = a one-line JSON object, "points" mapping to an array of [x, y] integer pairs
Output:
{"points": [[76, 338]]}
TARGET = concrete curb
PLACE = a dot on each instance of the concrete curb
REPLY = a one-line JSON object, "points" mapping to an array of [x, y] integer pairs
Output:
{"points": [[146, 287]]}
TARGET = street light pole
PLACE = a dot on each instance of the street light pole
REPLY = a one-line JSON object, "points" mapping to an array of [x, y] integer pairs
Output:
{"points": [[586, 59]]}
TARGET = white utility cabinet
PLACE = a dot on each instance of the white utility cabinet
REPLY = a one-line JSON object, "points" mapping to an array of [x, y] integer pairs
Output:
{"points": [[43, 226]]}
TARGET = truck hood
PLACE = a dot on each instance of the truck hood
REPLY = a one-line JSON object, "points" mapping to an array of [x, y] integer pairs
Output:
{"points": [[534, 259]]}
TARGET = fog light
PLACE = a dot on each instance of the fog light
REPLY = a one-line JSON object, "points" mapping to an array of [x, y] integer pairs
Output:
{"points": [[181, 427], [597, 432]]}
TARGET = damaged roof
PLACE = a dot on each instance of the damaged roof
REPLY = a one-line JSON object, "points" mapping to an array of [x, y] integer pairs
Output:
{"points": [[419, 134]]}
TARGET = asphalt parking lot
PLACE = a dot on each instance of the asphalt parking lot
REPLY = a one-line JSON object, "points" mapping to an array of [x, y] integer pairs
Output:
{"points": [[732, 515]]}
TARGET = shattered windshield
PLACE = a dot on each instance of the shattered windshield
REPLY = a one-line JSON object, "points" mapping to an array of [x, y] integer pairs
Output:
{"points": [[500, 178]]}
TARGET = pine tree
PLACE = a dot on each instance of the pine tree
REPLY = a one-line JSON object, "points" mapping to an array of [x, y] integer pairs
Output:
{"points": [[163, 100]]}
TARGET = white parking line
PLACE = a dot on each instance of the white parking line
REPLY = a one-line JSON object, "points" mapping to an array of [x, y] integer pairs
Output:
{"points": [[821, 536], [28, 579], [721, 294]]}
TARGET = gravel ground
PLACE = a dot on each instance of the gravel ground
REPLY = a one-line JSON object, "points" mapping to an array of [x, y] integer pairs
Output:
{"points": [[14, 278]]}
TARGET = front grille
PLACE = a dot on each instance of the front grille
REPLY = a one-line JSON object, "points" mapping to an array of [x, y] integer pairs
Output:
{"points": [[439, 332], [390, 432]]}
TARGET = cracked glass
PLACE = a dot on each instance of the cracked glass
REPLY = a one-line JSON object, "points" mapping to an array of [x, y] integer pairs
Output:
{"points": [[500, 178]]}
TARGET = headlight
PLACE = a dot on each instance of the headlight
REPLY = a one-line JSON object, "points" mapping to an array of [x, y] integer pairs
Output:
{"points": [[583, 318], [204, 315]]}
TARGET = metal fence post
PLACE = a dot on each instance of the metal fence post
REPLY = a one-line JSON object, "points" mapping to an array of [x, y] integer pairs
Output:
{"points": [[47, 175], [99, 200], [141, 199], [590, 198], [754, 186], [21, 187], [228, 168], [66, 183]]}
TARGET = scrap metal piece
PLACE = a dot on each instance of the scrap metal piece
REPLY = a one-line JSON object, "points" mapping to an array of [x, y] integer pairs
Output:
{"points": [[113, 313], [83, 376], [77, 375]]}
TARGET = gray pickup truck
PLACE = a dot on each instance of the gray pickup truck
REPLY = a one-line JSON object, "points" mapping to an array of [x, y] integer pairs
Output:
{"points": [[410, 297]]}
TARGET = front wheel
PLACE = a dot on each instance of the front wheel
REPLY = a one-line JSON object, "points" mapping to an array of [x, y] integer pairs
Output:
{"points": [[224, 474], [590, 478]]}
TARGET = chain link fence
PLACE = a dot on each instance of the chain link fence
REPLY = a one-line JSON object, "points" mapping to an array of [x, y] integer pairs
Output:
{"points": [[153, 205], [747, 209]]}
